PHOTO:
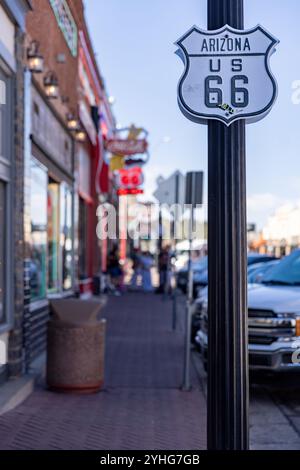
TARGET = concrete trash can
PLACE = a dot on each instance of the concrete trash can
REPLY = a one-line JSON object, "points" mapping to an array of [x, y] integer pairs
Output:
{"points": [[75, 346]]}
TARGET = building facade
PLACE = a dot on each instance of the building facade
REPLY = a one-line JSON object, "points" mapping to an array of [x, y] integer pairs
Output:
{"points": [[54, 117], [12, 37], [281, 234], [93, 177], [63, 154]]}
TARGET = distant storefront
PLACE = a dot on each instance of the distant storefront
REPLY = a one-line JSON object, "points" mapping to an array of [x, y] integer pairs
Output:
{"points": [[89, 170], [49, 189], [281, 233], [85, 208]]}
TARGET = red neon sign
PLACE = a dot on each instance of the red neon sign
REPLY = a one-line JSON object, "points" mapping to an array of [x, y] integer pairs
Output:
{"points": [[129, 192], [130, 178]]}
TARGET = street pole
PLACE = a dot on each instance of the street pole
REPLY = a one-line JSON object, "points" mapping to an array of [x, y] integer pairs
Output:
{"points": [[227, 254]]}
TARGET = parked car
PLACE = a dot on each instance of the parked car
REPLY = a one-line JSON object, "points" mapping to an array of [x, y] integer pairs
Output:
{"points": [[273, 317], [200, 271], [256, 272], [254, 258], [199, 268]]}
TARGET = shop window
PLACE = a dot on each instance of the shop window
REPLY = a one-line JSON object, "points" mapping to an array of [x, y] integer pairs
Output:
{"points": [[83, 224], [38, 200], [5, 174], [2, 251], [53, 236], [66, 236]]}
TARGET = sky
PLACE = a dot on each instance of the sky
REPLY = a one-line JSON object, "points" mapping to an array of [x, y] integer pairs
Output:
{"points": [[134, 43]]}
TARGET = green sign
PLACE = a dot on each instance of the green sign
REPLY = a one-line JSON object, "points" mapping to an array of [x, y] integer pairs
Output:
{"points": [[66, 23]]}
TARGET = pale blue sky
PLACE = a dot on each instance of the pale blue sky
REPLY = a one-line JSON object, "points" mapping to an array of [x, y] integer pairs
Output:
{"points": [[134, 42]]}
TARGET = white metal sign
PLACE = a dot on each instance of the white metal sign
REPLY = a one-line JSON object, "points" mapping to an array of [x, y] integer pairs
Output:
{"points": [[227, 74]]}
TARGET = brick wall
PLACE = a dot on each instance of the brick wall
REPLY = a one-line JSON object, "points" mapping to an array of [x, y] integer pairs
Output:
{"points": [[42, 25], [15, 347]]}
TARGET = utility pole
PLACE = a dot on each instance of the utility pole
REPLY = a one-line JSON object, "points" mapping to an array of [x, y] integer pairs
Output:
{"points": [[227, 268]]}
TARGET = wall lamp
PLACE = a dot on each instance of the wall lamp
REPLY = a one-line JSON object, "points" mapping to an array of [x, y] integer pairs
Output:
{"points": [[80, 135], [73, 124], [35, 58], [51, 85]]}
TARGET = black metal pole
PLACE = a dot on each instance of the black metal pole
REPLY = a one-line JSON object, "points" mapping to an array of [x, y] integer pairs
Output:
{"points": [[227, 248]]}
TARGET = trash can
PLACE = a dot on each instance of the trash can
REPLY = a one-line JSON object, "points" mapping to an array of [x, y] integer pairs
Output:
{"points": [[75, 346]]}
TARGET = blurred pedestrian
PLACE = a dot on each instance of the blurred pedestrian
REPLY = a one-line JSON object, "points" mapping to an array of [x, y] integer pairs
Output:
{"points": [[146, 265], [115, 271], [163, 268], [137, 268]]}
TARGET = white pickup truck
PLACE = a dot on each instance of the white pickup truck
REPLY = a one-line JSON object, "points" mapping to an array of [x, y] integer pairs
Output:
{"points": [[273, 317]]}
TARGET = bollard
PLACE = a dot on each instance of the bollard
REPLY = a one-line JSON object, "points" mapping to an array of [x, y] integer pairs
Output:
{"points": [[174, 311]]}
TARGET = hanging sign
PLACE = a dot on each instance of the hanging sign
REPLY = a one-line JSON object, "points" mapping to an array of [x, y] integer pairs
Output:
{"points": [[126, 146], [116, 162], [66, 23], [227, 74]]}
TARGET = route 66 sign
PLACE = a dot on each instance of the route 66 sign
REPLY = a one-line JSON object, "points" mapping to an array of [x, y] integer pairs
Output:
{"points": [[227, 74]]}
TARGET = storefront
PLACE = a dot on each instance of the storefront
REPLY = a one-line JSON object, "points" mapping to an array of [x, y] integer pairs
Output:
{"points": [[12, 20], [85, 208], [6, 78], [88, 165], [49, 210], [62, 253], [107, 124]]}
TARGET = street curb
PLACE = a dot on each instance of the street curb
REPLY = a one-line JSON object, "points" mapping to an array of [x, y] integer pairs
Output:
{"points": [[14, 392]]}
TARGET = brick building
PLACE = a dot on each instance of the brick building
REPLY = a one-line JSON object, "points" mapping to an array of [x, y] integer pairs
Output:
{"points": [[49, 196]]}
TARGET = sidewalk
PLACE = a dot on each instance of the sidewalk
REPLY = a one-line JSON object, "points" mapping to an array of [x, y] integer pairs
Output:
{"points": [[141, 407]]}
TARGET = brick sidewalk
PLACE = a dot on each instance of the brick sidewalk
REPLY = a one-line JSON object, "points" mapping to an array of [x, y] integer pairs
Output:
{"points": [[141, 407]]}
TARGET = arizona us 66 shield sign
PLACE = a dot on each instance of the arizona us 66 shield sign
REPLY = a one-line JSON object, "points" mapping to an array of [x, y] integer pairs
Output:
{"points": [[227, 74]]}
